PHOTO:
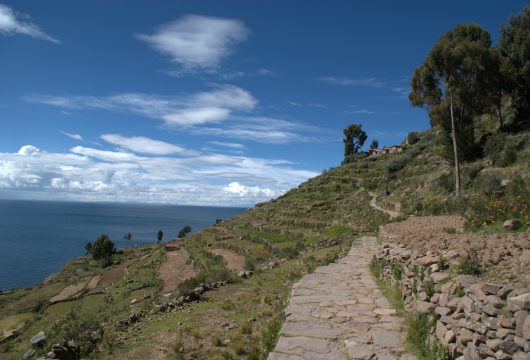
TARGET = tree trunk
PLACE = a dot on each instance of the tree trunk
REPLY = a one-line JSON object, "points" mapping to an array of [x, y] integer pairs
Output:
{"points": [[455, 148], [500, 116]]}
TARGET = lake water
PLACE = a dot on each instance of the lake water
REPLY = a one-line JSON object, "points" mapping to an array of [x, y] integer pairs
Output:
{"points": [[38, 237]]}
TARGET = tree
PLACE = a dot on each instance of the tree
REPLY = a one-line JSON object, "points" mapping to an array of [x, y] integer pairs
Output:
{"points": [[453, 83], [514, 46], [184, 231], [102, 248], [354, 138], [88, 247], [374, 144], [127, 236], [160, 235]]}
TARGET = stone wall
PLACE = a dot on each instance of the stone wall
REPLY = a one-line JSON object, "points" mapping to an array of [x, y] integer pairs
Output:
{"points": [[474, 319]]}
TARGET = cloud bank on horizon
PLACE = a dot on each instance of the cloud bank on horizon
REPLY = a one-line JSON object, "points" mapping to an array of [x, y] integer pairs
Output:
{"points": [[146, 170]]}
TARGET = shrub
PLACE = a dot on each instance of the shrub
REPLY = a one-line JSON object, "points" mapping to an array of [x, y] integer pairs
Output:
{"points": [[489, 184], [184, 231], [412, 137], [470, 265], [78, 327], [429, 288], [102, 248]]}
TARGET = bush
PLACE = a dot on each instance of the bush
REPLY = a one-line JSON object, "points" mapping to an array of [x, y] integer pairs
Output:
{"points": [[184, 231], [412, 137], [470, 265], [102, 248], [489, 184], [77, 327], [500, 151]]}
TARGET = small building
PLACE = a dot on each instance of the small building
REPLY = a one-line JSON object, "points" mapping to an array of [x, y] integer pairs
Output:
{"points": [[386, 150], [172, 246], [392, 149]]}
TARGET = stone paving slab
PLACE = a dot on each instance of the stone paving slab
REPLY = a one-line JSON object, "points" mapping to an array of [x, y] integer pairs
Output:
{"points": [[338, 312]]}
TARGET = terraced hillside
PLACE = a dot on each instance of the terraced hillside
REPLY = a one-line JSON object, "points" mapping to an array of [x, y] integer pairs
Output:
{"points": [[150, 304]]}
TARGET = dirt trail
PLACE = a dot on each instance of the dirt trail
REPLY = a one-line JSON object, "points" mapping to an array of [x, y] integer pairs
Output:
{"points": [[233, 261], [174, 271], [338, 312], [373, 203]]}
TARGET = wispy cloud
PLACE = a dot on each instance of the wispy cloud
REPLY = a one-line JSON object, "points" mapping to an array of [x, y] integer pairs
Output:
{"points": [[197, 43], [72, 136], [361, 112], [145, 145], [370, 82], [226, 111], [12, 23], [230, 145], [190, 110]]}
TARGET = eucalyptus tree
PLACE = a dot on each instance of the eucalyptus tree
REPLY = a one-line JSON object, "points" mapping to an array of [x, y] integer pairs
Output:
{"points": [[354, 138], [454, 83], [514, 46]]}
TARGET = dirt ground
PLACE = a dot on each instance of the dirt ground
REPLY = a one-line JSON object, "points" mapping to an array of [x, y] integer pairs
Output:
{"points": [[233, 261], [174, 271], [505, 257], [70, 291]]}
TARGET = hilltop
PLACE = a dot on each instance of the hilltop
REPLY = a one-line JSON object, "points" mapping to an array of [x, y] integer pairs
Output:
{"points": [[194, 302]]}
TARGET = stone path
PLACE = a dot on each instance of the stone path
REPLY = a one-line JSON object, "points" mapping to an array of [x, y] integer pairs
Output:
{"points": [[338, 312]]}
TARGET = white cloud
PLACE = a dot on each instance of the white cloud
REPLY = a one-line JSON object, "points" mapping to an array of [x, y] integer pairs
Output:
{"points": [[227, 144], [196, 116], [72, 136], [195, 109], [225, 111], [361, 112], [104, 175], [250, 191], [110, 156], [144, 145], [197, 42], [12, 23], [28, 150], [371, 82]]}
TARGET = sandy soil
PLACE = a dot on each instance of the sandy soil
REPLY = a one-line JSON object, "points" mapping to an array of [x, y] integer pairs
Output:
{"points": [[505, 256], [174, 271], [71, 291], [233, 261]]}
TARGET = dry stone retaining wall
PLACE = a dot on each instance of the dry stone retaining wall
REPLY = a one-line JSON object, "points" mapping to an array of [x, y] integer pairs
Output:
{"points": [[474, 319]]}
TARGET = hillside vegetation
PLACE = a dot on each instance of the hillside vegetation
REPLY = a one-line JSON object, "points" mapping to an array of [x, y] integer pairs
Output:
{"points": [[309, 226]]}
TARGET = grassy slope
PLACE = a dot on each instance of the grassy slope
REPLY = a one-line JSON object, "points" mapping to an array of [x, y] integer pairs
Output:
{"points": [[310, 226]]}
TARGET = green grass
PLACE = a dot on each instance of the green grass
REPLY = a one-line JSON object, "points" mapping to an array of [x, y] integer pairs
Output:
{"points": [[338, 230]]}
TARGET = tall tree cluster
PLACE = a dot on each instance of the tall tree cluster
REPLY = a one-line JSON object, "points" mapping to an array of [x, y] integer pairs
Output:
{"points": [[354, 138], [464, 76]]}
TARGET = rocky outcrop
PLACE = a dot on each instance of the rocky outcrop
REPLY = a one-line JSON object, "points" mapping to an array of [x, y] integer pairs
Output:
{"points": [[65, 351], [474, 319], [192, 295]]}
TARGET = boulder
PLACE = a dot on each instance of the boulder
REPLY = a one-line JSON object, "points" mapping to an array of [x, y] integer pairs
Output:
{"points": [[526, 328], [465, 336], [521, 302], [511, 224], [38, 340], [424, 307], [466, 280], [28, 354]]}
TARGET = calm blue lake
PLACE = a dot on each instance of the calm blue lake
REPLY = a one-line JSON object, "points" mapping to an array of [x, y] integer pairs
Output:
{"points": [[38, 237]]}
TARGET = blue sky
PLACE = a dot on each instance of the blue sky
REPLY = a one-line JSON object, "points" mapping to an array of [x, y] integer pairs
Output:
{"points": [[205, 102]]}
